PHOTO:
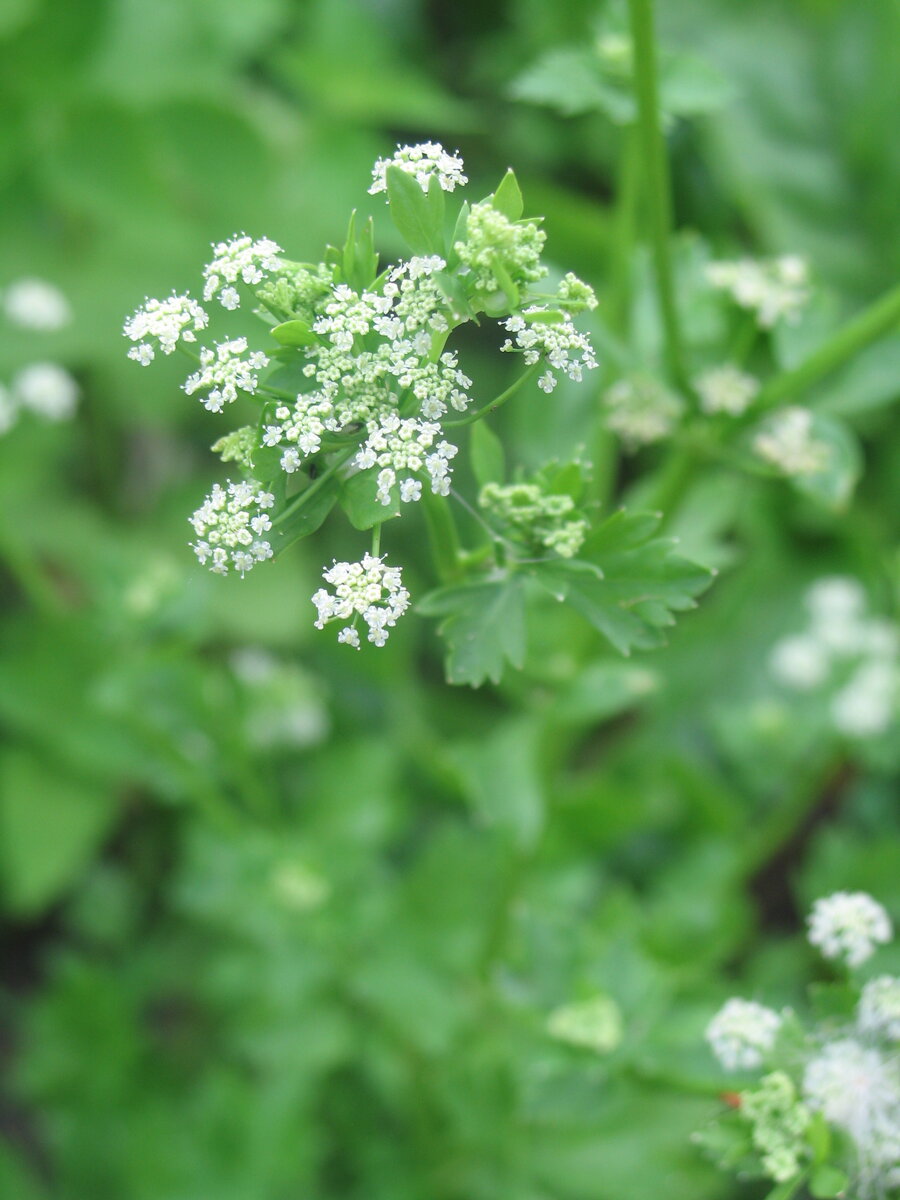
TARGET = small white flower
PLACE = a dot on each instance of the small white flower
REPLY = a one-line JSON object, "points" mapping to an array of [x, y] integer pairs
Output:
{"points": [[848, 926], [224, 372], [800, 662], [772, 289], [867, 704], [788, 443], [547, 382], [857, 1088], [229, 527], [36, 304], [558, 343], [369, 589], [47, 389], [164, 322], [641, 410], [239, 260], [726, 389], [879, 1008], [742, 1032], [425, 161]]}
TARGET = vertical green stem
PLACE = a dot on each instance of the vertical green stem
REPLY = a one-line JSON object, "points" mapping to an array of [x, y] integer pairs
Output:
{"points": [[625, 222], [376, 540], [442, 534], [658, 191]]}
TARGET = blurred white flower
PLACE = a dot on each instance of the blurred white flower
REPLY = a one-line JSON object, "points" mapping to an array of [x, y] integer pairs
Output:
{"points": [[787, 442], [867, 705], [36, 304], [742, 1032], [879, 1008], [773, 289], [726, 389], [800, 662], [47, 389], [848, 926]]}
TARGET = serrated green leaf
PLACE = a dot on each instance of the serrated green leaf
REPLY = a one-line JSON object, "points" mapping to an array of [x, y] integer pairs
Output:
{"points": [[358, 500], [417, 216], [484, 627], [508, 197], [486, 451], [626, 583]]}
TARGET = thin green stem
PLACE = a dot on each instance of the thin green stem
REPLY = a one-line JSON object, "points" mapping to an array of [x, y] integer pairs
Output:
{"points": [[376, 540], [471, 417], [305, 496], [867, 327], [443, 535], [657, 189], [625, 217]]}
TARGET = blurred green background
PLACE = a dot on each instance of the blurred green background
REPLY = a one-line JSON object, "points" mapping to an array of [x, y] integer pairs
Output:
{"points": [[283, 921]]}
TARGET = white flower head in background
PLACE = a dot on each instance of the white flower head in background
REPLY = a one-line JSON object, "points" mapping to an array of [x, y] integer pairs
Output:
{"points": [[742, 1032], [788, 442], [46, 389], [800, 662], [867, 704], [35, 304], [641, 410], [772, 289], [857, 1088], [726, 389], [878, 1013], [425, 161], [848, 927], [368, 589]]}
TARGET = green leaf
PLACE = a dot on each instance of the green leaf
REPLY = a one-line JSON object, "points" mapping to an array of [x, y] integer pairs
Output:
{"points": [[359, 502], [484, 627], [571, 80], [50, 826], [417, 216], [508, 197], [293, 333], [488, 459], [833, 485], [627, 583], [500, 776], [826, 1182], [459, 235], [784, 1191], [819, 1137], [304, 516]]}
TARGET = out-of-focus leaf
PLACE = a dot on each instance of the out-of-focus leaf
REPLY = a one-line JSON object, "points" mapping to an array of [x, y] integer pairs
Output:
{"points": [[501, 779], [488, 458]]}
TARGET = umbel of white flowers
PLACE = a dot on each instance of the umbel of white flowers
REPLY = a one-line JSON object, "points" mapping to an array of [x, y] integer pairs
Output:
{"points": [[376, 370], [848, 1073], [847, 653]]}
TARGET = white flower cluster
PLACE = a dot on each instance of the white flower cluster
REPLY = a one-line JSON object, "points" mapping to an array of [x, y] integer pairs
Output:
{"points": [[369, 385], [283, 705], [225, 373], [368, 589], [857, 1088], [848, 926], [557, 342], [426, 161], [789, 443], [230, 526], [772, 288], [239, 260], [36, 304], [742, 1033], [493, 241], [641, 410], [856, 655], [402, 449], [879, 1008], [726, 389], [164, 322]]}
